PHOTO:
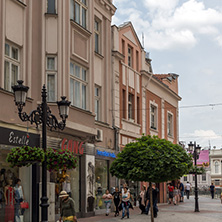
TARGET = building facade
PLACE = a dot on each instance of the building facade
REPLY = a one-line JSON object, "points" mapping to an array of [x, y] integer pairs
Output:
{"points": [[65, 45], [145, 103]]}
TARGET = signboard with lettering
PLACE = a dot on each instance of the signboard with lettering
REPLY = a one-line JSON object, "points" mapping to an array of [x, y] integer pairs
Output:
{"points": [[105, 153], [73, 146], [18, 138]]}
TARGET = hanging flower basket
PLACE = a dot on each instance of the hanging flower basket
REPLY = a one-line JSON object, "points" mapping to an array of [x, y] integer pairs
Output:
{"points": [[25, 156], [60, 159]]}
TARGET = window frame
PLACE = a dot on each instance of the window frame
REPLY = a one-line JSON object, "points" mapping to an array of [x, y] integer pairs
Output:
{"points": [[98, 101], [204, 177], [16, 62], [82, 83], [97, 32], [131, 104], [130, 56], [154, 120], [47, 8], [54, 73], [170, 124], [216, 164]]}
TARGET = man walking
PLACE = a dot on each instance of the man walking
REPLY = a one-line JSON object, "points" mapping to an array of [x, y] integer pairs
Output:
{"points": [[181, 188], [212, 190], [188, 189]]}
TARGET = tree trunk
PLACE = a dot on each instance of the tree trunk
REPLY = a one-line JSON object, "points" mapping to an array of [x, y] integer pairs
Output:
{"points": [[151, 201]]}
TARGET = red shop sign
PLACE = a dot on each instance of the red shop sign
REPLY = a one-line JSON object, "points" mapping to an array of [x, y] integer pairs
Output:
{"points": [[73, 146]]}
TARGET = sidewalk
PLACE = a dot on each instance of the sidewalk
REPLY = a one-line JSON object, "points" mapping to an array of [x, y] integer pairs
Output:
{"points": [[210, 211]]}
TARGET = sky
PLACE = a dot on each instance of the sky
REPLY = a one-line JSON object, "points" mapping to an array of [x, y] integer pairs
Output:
{"points": [[184, 37]]}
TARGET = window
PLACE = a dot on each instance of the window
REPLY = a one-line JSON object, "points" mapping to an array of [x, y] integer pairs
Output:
{"points": [[97, 102], [78, 11], [51, 71], [217, 182], [130, 106], [78, 86], [130, 60], [185, 178], [138, 109], [204, 177], [169, 124], [123, 47], [216, 167], [97, 36], [153, 117], [193, 177], [137, 61], [124, 104], [51, 6], [12, 66]]}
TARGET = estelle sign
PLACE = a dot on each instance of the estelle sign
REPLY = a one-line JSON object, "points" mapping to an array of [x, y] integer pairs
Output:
{"points": [[73, 146]]}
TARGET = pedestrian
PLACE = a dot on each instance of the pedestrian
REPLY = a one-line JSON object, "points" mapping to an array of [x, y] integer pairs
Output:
{"points": [[155, 192], [221, 197], [170, 189], [19, 197], [212, 190], [176, 195], [188, 188], [116, 200], [107, 200], [68, 213], [125, 202], [181, 188], [142, 200]]}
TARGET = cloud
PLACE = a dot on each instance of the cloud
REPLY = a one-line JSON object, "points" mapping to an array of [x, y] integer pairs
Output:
{"points": [[219, 40]]}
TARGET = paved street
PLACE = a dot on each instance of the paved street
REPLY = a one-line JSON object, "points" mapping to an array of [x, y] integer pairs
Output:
{"points": [[210, 211]]}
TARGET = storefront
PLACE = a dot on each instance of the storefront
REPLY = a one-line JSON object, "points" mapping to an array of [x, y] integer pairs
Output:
{"points": [[103, 179], [14, 138]]}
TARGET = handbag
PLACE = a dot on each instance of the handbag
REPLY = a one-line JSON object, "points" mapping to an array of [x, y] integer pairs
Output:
{"points": [[24, 205]]}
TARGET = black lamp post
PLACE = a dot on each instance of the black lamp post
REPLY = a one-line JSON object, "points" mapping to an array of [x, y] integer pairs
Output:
{"points": [[196, 151], [42, 115]]}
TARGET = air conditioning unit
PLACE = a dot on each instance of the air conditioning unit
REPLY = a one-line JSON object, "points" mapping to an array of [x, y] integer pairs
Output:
{"points": [[99, 136]]}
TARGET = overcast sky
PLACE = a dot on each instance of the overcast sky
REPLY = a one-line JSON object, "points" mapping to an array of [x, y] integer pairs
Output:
{"points": [[184, 37]]}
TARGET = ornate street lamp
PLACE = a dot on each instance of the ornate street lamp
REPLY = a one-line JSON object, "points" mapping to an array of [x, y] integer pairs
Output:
{"points": [[195, 149], [42, 115]]}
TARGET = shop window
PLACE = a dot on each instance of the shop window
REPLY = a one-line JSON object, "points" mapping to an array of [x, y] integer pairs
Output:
{"points": [[97, 31], [11, 66], [101, 173], [51, 71], [51, 6], [169, 124], [97, 103], [130, 106], [78, 86], [78, 11], [153, 117], [217, 182]]}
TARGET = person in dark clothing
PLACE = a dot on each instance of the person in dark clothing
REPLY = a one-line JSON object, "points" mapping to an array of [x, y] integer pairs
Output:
{"points": [[116, 199], [212, 190], [155, 192], [181, 188]]}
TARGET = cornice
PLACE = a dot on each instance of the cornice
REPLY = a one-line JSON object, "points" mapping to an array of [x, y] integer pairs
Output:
{"points": [[107, 5]]}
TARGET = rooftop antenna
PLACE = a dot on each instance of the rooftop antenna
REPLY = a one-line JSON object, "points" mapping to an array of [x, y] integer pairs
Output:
{"points": [[209, 145], [143, 39]]}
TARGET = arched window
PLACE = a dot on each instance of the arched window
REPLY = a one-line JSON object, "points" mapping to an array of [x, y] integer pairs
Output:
{"points": [[216, 167]]}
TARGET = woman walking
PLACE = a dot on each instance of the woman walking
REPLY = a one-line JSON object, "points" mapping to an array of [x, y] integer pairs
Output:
{"points": [[142, 202], [170, 189], [107, 200], [125, 202], [176, 196], [68, 213], [116, 199]]}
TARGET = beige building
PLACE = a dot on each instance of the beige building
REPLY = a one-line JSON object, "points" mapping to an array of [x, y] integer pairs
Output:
{"points": [[66, 45], [145, 103]]}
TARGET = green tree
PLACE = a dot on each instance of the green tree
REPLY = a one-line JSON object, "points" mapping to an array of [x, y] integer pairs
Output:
{"points": [[151, 159]]}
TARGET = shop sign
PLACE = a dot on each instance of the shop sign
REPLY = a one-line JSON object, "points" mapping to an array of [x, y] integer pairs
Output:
{"points": [[73, 146], [105, 153], [18, 138]]}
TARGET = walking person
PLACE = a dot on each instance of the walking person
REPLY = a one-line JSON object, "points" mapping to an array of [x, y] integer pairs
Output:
{"points": [[212, 190], [68, 213], [116, 200], [176, 195], [142, 200], [170, 189], [107, 200], [181, 188], [188, 187], [19, 197], [125, 202]]}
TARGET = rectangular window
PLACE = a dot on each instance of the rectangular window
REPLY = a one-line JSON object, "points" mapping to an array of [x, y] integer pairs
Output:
{"points": [[124, 104], [138, 110], [51, 73], [137, 61], [51, 7], [130, 54], [11, 66], [130, 106], [123, 47], [217, 182], [204, 177], [78, 86], [185, 178], [169, 124], [153, 117], [78, 12], [97, 102], [97, 36]]}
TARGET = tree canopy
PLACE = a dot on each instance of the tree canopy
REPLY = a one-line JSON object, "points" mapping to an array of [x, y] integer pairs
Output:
{"points": [[151, 159]]}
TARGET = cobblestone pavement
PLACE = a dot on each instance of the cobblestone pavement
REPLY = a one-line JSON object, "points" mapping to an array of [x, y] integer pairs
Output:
{"points": [[210, 211]]}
